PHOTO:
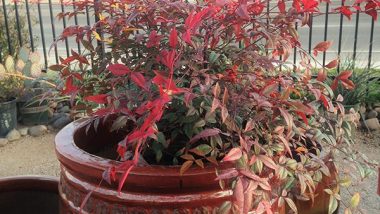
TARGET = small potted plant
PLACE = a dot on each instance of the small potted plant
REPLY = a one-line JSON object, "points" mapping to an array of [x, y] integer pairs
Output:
{"points": [[33, 103], [195, 110], [10, 87]]}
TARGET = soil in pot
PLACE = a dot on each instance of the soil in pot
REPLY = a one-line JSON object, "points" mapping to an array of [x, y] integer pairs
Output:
{"points": [[8, 116], [29, 194]]}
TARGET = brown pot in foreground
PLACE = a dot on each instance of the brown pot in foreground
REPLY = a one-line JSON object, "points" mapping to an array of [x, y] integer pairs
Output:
{"points": [[150, 189], [29, 194]]}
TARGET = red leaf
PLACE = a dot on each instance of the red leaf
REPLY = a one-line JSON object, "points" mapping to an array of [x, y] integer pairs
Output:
{"points": [[99, 99], [322, 74], [139, 79], [239, 195], [233, 155], [332, 64], [370, 9], [321, 47], [119, 69], [69, 87], [281, 6], [205, 133], [125, 175], [153, 40], [345, 10], [267, 161], [173, 40], [303, 116], [344, 75]]}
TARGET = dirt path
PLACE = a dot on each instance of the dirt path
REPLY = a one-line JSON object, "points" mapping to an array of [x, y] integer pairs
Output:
{"points": [[36, 156], [29, 156]]}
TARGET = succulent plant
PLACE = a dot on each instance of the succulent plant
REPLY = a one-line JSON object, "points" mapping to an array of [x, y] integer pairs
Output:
{"points": [[15, 74]]}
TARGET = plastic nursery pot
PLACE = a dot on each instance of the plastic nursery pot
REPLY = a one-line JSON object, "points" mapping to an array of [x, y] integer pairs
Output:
{"points": [[31, 110], [29, 194], [8, 116], [150, 189]]}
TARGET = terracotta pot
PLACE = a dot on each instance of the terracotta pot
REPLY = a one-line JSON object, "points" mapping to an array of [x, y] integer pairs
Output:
{"points": [[29, 194], [378, 183], [150, 189], [153, 189], [321, 201]]}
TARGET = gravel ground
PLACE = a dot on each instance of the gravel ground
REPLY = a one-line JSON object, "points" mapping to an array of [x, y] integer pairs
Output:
{"points": [[36, 156], [29, 156]]}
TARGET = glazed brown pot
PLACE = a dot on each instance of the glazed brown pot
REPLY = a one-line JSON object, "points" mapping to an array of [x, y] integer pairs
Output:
{"points": [[152, 189], [29, 194], [149, 189]]}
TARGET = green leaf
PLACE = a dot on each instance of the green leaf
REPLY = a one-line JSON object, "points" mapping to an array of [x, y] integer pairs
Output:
{"points": [[202, 149], [333, 204], [291, 204], [355, 200], [185, 166], [225, 208]]}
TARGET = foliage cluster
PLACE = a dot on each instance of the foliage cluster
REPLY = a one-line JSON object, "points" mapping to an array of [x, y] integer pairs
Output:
{"points": [[195, 84]]}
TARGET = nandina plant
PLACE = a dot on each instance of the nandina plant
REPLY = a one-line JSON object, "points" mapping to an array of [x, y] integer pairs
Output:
{"points": [[195, 84]]}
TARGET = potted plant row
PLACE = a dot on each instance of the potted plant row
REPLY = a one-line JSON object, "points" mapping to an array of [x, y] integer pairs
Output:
{"points": [[195, 109]]}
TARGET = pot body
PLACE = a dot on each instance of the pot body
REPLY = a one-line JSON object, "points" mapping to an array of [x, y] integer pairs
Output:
{"points": [[150, 189], [29, 194], [32, 111], [8, 117]]}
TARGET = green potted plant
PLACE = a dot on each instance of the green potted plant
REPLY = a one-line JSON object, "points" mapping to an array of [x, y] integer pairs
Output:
{"points": [[32, 103], [192, 111], [10, 87]]}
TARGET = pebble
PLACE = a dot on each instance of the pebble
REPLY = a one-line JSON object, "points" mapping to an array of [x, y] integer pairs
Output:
{"points": [[61, 122], [56, 116], [13, 135], [38, 130], [372, 114], [373, 123], [3, 142], [23, 131], [64, 109]]}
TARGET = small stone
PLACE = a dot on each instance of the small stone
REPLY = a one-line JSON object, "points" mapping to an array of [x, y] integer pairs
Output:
{"points": [[56, 116], [373, 124], [3, 142], [23, 131], [13, 135], [375, 105], [61, 122], [38, 130], [377, 109], [64, 109], [372, 114]]}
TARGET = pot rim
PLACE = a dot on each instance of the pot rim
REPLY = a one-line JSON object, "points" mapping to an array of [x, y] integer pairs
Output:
{"points": [[69, 154], [29, 182], [12, 100]]}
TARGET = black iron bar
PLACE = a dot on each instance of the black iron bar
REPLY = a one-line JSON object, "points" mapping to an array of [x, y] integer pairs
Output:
{"points": [[29, 25], [371, 44], [18, 24], [64, 26], [76, 23], [340, 38], [310, 32], [53, 30], [356, 35], [42, 33], [10, 52], [325, 33], [295, 52]]}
